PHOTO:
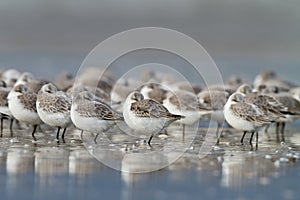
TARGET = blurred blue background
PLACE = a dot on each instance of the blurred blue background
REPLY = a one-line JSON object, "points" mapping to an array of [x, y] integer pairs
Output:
{"points": [[47, 37]]}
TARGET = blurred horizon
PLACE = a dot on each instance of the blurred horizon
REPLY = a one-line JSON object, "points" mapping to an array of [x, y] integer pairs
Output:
{"points": [[239, 35]]}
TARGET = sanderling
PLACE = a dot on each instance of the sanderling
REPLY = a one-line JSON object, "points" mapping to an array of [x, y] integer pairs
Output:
{"points": [[4, 110], [216, 100], [31, 82], [153, 91], [93, 116], [185, 86], [22, 105], [288, 101], [146, 115], [245, 116], [273, 108], [269, 78], [10, 77], [186, 104], [64, 81], [269, 105], [54, 108], [121, 90], [98, 93], [234, 81]]}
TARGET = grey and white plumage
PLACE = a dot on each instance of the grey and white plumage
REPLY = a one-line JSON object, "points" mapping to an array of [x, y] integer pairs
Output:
{"points": [[186, 103], [63, 81], [32, 83], [270, 79], [10, 76], [3, 99], [216, 100], [54, 108], [273, 108], [4, 110], [92, 115], [146, 115], [22, 105], [186, 86], [98, 92], [291, 104], [153, 91], [245, 116]]}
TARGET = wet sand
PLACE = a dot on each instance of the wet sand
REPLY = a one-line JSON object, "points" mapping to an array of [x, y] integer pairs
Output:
{"points": [[36, 169]]}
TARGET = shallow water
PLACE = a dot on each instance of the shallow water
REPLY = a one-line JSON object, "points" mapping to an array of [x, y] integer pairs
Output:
{"points": [[46, 169]]}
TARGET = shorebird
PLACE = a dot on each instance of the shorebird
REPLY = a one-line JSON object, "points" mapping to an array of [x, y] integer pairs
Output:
{"points": [[146, 115], [153, 91], [54, 107], [268, 104], [32, 84], [98, 93], [93, 116], [245, 116], [216, 100], [288, 101], [22, 105], [270, 79], [63, 81], [4, 110], [10, 77], [186, 104], [185, 86], [273, 108]]}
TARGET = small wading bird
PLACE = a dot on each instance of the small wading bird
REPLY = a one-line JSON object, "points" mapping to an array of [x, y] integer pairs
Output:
{"points": [[54, 108], [95, 116], [146, 115], [22, 105], [245, 116]]}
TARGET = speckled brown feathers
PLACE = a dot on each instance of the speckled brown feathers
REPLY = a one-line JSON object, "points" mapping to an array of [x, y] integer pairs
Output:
{"points": [[54, 104], [151, 108], [3, 97], [267, 103], [102, 111], [250, 113], [28, 100]]}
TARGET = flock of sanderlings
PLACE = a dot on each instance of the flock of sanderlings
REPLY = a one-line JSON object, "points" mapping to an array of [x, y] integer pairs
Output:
{"points": [[147, 105]]}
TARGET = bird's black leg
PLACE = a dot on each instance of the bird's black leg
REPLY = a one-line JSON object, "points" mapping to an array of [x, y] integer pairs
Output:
{"points": [[1, 134], [282, 131], [251, 138], [217, 134], [242, 140], [256, 139], [33, 131], [183, 132], [57, 134], [95, 138], [81, 134], [277, 131], [149, 141], [63, 135], [11, 127]]}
